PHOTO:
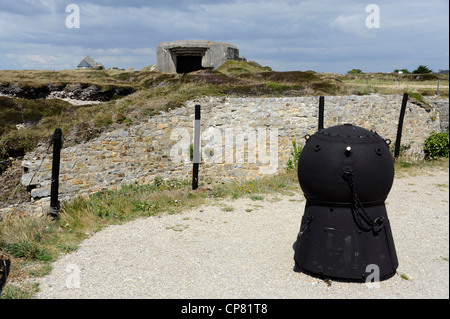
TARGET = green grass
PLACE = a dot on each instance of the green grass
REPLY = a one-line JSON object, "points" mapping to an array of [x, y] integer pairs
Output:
{"points": [[256, 197], [231, 67], [23, 292]]}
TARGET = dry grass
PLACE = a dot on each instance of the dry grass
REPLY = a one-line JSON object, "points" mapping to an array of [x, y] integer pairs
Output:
{"points": [[44, 77], [383, 83], [405, 167]]}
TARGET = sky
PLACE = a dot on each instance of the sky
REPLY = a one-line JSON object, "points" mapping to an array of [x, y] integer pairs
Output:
{"points": [[323, 36]]}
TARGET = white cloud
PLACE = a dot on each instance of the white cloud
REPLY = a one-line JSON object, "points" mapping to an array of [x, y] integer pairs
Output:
{"points": [[34, 60], [352, 24], [325, 36]]}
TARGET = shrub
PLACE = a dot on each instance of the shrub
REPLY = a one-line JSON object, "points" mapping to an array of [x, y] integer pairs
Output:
{"points": [[274, 87], [4, 164], [436, 145], [293, 162], [422, 69], [355, 71]]}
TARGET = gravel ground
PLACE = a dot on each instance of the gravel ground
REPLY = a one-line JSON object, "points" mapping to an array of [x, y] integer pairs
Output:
{"points": [[248, 252]]}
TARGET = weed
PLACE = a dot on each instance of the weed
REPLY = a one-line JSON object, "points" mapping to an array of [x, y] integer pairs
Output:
{"points": [[41, 270], [292, 163], [256, 197], [404, 276], [24, 292]]}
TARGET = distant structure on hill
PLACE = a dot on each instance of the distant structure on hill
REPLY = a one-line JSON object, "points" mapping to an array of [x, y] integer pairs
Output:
{"points": [[193, 55], [89, 63]]}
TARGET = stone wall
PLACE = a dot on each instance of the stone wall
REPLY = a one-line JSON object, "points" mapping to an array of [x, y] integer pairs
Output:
{"points": [[441, 106], [161, 145]]}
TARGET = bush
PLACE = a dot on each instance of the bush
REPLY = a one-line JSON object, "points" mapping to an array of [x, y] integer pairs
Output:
{"points": [[4, 164], [274, 87], [355, 71], [436, 145], [422, 69]]}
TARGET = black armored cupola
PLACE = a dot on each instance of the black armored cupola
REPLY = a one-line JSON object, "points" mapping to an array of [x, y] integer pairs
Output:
{"points": [[346, 173], [332, 153]]}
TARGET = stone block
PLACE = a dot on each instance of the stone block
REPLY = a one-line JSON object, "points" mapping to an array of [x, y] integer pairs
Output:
{"points": [[41, 192], [26, 179]]}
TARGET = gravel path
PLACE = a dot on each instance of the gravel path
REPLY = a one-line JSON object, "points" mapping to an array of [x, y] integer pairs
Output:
{"points": [[248, 252]]}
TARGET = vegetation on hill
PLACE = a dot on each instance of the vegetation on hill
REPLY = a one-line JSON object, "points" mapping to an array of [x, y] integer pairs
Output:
{"points": [[25, 122], [232, 67]]}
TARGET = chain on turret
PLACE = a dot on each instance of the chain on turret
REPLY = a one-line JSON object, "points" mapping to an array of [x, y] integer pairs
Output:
{"points": [[363, 220]]}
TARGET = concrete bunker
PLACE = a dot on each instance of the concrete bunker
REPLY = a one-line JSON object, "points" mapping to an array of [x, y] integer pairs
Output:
{"points": [[188, 59], [193, 55]]}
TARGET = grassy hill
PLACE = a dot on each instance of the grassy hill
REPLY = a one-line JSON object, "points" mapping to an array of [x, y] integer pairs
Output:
{"points": [[155, 92]]}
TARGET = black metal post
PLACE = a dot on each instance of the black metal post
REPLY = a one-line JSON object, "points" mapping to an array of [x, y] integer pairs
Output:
{"points": [[5, 266], [196, 148], [321, 111], [400, 126], [54, 202]]}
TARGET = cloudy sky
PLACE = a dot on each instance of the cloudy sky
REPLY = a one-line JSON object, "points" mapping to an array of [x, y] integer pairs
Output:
{"points": [[324, 36]]}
